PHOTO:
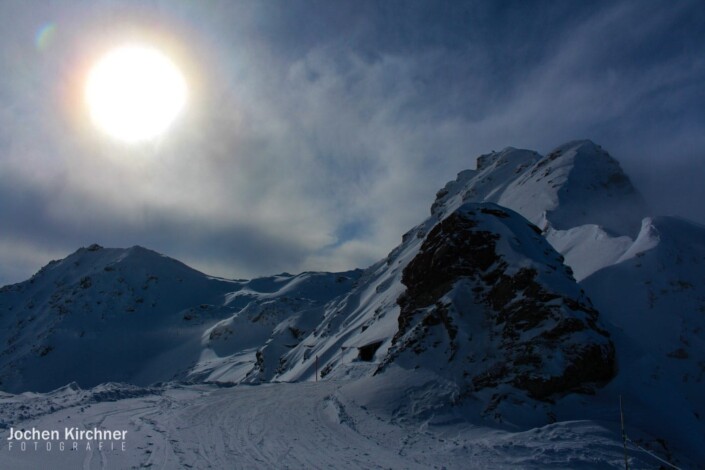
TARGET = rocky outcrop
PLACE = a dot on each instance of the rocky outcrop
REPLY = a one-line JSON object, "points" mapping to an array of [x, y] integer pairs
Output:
{"points": [[489, 303]]}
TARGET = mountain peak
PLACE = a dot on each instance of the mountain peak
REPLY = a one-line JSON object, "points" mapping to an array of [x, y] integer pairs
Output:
{"points": [[96, 258], [590, 188], [585, 144], [585, 154], [577, 183], [88, 304]]}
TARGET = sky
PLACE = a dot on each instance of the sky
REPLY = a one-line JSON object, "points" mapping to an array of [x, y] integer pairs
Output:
{"points": [[316, 133]]}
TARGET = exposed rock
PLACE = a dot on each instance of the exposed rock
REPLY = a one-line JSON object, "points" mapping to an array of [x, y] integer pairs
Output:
{"points": [[490, 302]]}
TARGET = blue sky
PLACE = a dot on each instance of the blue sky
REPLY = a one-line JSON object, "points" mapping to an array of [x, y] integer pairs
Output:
{"points": [[318, 132]]}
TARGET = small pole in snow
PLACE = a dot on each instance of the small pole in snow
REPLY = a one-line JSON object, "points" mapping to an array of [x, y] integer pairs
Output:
{"points": [[316, 367], [624, 434]]}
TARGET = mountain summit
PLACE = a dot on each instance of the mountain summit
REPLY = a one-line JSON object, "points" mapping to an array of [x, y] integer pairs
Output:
{"points": [[577, 195], [100, 315], [537, 290], [578, 183]]}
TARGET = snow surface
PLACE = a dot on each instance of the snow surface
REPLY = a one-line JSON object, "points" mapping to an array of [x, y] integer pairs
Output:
{"points": [[184, 339], [329, 424], [578, 194], [588, 248], [133, 315], [654, 299]]}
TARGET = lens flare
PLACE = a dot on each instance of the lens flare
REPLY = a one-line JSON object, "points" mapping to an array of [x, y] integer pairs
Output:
{"points": [[44, 36]]}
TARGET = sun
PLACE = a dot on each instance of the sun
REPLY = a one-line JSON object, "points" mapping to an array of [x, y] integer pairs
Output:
{"points": [[134, 93]]}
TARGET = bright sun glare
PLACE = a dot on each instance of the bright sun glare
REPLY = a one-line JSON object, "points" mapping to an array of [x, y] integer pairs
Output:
{"points": [[134, 93]]}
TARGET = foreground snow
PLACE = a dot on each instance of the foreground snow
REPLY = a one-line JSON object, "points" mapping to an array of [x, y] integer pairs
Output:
{"points": [[300, 425]]}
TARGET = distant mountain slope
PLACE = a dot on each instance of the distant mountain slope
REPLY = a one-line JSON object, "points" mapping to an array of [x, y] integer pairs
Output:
{"points": [[577, 194], [102, 315], [269, 317], [131, 315]]}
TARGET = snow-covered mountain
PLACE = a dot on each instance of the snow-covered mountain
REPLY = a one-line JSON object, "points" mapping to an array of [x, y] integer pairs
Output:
{"points": [[133, 315], [481, 299], [577, 194], [267, 318], [103, 315], [536, 291]]}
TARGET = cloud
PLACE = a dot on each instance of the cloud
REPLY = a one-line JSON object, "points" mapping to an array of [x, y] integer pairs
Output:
{"points": [[318, 133]]}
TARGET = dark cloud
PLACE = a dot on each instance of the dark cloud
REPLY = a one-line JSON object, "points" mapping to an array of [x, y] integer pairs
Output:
{"points": [[319, 131]]}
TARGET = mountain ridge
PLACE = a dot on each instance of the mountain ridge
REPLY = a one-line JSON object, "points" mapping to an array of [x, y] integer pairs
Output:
{"points": [[528, 294]]}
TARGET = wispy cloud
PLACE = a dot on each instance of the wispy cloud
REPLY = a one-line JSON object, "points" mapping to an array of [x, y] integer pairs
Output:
{"points": [[317, 133]]}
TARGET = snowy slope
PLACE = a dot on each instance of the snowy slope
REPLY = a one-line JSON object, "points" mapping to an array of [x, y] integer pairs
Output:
{"points": [[588, 248], [103, 315], [577, 193], [302, 425], [576, 184], [654, 302], [270, 317], [136, 316]]}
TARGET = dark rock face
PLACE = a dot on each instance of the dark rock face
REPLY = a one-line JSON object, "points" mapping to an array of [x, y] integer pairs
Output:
{"points": [[489, 295], [452, 249]]}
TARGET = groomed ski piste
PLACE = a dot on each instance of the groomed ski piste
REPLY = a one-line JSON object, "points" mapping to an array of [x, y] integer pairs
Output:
{"points": [[293, 425]]}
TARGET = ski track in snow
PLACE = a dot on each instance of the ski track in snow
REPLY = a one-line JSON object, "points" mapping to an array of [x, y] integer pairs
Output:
{"points": [[292, 426]]}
